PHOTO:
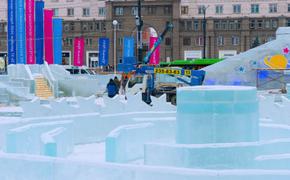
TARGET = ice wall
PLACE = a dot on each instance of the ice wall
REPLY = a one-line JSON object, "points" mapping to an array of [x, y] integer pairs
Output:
{"points": [[126, 143], [217, 114]]}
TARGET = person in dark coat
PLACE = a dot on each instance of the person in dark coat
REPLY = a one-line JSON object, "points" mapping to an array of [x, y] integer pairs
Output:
{"points": [[117, 82], [112, 88]]}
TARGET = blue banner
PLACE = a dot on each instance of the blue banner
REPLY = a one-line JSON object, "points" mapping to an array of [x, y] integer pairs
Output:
{"points": [[128, 47], [57, 40], [11, 33], [104, 44], [39, 5], [20, 33]]}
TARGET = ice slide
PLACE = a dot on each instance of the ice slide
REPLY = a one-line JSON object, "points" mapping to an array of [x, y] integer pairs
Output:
{"points": [[241, 69]]}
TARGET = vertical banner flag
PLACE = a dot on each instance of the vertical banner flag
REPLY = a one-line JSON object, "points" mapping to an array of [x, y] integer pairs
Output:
{"points": [[39, 5], [57, 40], [104, 44], [48, 36], [20, 33], [79, 45], [30, 34], [128, 47], [11, 33], [154, 59]]}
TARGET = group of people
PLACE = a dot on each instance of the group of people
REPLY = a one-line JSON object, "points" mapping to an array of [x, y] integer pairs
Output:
{"points": [[115, 86]]}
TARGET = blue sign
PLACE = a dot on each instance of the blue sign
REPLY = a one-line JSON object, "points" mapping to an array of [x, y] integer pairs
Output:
{"points": [[104, 44], [11, 33], [128, 48], [20, 33], [39, 5], [57, 40]]}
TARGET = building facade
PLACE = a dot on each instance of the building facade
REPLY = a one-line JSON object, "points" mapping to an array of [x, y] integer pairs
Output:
{"points": [[233, 26]]}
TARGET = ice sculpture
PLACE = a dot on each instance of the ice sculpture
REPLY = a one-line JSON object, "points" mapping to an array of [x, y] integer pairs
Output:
{"points": [[241, 69]]}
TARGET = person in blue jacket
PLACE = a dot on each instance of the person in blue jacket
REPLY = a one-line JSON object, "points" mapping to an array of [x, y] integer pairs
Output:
{"points": [[112, 88]]}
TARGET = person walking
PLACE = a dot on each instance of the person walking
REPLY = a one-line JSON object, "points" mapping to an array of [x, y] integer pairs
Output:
{"points": [[112, 88]]}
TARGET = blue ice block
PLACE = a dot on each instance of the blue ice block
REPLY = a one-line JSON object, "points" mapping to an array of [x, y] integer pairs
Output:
{"points": [[217, 114]]}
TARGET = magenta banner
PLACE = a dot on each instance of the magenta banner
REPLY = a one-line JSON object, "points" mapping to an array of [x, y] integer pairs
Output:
{"points": [[48, 36], [30, 34], [155, 57], [79, 47]]}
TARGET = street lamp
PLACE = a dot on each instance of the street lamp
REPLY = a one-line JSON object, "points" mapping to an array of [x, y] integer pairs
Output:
{"points": [[115, 23], [204, 30]]}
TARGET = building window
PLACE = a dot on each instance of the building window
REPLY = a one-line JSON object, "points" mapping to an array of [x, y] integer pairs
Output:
{"points": [[119, 11], [68, 41], [195, 25], [219, 9], [120, 41], [168, 41], [186, 41], [86, 12], [55, 12], [184, 10], [220, 41], [134, 11], [288, 7], [167, 10], [274, 23], [201, 9], [260, 24], [85, 27], [89, 41], [199, 41], [72, 26], [272, 8], [237, 8], [70, 12], [288, 23], [102, 11], [255, 8], [188, 26], [252, 24], [235, 40], [151, 10], [182, 25]]}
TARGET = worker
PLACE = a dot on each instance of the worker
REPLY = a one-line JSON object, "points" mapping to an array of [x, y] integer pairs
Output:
{"points": [[146, 95], [112, 88], [117, 82]]}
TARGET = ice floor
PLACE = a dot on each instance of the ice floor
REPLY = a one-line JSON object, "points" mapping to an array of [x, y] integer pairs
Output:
{"points": [[221, 133]]}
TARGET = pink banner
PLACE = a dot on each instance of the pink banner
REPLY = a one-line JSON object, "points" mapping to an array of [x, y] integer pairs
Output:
{"points": [[48, 36], [30, 34], [79, 47], [155, 57]]}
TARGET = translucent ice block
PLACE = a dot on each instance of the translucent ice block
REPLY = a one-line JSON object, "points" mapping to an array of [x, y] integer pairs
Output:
{"points": [[27, 140], [126, 143], [217, 114]]}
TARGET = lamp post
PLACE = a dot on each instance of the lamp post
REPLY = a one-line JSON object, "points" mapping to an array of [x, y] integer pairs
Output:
{"points": [[204, 30], [115, 23]]}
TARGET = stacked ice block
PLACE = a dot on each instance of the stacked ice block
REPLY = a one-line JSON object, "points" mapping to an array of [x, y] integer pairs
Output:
{"points": [[217, 114]]}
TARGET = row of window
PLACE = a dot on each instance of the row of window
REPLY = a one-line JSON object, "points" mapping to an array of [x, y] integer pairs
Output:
{"points": [[86, 12], [220, 40], [150, 10], [196, 25], [236, 9], [98, 26], [89, 41]]}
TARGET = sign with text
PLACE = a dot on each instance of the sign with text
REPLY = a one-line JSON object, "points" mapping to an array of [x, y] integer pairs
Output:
{"points": [[79, 45], [104, 44]]}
